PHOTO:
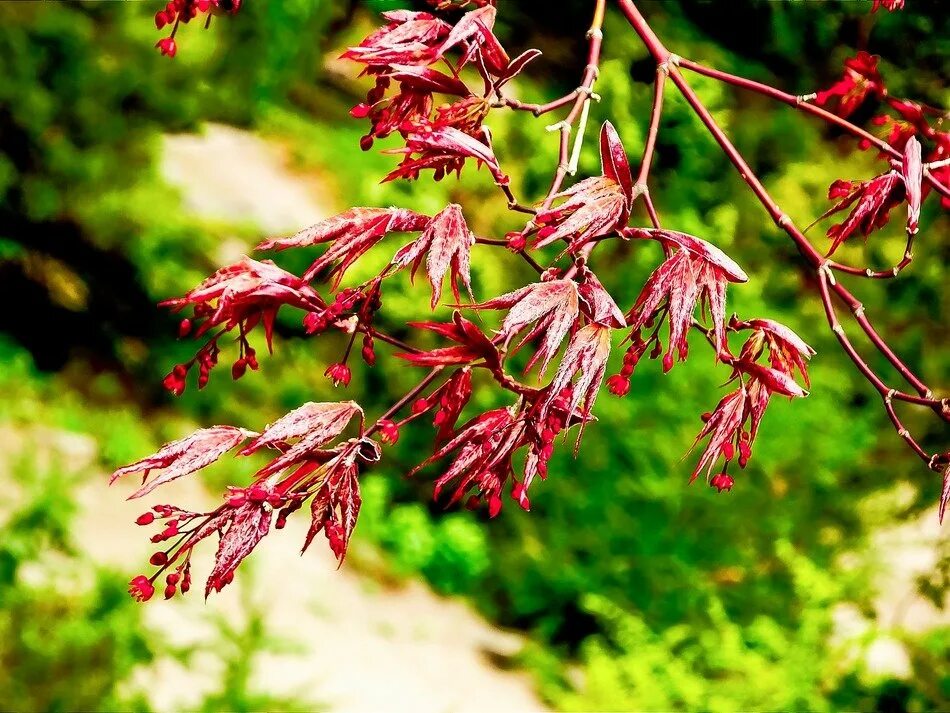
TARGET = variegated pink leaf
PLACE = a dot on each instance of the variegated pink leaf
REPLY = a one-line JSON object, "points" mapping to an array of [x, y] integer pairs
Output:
{"points": [[552, 308], [320, 423], [185, 456], [912, 171], [248, 526], [613, 160], [597, 304], [352, 233], [446, 242]]}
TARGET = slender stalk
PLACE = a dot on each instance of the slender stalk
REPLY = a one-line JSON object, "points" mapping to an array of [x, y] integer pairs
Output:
{"points": [[802, 105], [406, 399]]}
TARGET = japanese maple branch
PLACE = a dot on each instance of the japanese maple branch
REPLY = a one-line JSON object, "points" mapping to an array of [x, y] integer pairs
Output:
{"points": [[665, 58], [802, 104]]}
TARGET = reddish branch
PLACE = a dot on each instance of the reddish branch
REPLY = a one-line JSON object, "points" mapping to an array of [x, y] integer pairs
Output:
{"points": [[566, 312]]}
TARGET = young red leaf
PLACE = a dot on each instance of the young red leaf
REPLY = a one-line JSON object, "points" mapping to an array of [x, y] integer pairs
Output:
{"points": [[247, 527], [473, 345], [427, 79], [352, 233], [912, 172], [446, 243], [552, 308], [410, 38], [185, 456], [516, 66], [613, 160]]}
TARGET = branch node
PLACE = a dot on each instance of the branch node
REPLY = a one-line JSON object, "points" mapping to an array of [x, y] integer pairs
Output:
{"points": [[593, 69], [896, 271], [640, 189], [802, 98], [672, 61], [566, 167], [559, 126], [529, 226], [858, 310], [783, 221], [595, 32], [889, 396], [837, 329], [824, 270], [903, 433]]}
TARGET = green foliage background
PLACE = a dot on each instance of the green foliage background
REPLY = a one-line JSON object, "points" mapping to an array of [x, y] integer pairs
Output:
{"points": [[663, 596]]}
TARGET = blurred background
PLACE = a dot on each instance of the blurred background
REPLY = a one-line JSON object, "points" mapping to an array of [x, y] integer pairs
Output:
{"points": [[819, 582]]}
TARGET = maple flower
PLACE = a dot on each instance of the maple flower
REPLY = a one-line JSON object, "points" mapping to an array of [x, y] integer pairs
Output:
{"points": [[722, 481], [695, 274], [445, 244], [595, 206], [184, 11], [861, 79], [338, 374], [351, 233], [871, 201], [240, 295], [549, 308]]}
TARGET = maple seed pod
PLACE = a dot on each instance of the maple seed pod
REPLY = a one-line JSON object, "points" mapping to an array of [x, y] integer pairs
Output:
{"points": [[158, 559]]}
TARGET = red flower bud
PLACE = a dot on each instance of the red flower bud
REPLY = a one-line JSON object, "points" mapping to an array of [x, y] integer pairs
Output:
{"points": [[722, 481], [338, 374], [167, 46], [146, 518], [158, 559], [141, 588]]}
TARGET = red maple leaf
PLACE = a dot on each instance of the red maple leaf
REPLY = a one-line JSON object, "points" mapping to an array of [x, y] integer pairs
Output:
{"points": [[313, 424], [595, 206], [485, 445], [550, 308], [351, 233], [185, 456], [336, 503], [586, 355], [695, 274], [445, 244], [443, 149], [861, 78]]}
